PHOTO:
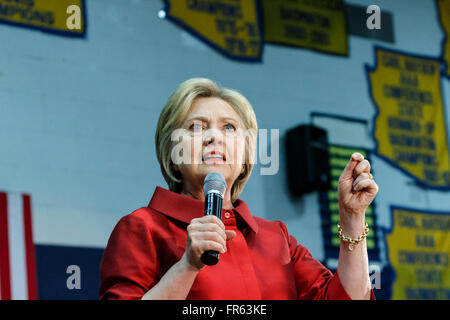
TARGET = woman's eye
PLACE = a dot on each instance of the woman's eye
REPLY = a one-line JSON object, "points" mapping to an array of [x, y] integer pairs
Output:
{"points": [[196, 127], [229, 127]]}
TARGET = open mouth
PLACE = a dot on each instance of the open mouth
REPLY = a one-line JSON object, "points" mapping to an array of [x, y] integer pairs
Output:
{"points": [[214, 156]]}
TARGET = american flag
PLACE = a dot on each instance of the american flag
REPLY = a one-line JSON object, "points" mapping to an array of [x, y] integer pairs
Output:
{"points": [[17, 256]]}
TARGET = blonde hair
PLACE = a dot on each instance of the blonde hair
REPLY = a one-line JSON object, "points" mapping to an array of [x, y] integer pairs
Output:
{"points": [[174, 114]]}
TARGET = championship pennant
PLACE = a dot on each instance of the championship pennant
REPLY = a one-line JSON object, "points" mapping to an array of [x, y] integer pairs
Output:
{"points": [[65, 17], [230, 26], [315, 25], [419, 251], [410, 122], [18, 278], [444, 18]]}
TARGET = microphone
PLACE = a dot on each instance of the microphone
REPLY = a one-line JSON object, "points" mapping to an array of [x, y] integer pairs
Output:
{"points": [[214, 188]]}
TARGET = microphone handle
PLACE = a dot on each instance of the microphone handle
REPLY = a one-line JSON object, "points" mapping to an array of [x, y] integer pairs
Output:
{"points": [[213, 206]]}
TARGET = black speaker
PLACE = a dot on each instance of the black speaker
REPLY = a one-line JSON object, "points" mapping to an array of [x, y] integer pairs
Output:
{"points": [[308, 168]]}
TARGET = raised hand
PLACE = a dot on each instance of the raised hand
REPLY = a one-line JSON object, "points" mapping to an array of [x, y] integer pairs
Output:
{"points": [[356, 189]]}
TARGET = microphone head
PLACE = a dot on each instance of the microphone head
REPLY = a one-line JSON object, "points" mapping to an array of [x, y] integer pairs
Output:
{"points": [[215, 182]]}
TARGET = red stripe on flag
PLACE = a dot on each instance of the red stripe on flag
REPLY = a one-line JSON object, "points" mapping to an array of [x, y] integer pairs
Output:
{"points": [[5, 275], [29, 248]]}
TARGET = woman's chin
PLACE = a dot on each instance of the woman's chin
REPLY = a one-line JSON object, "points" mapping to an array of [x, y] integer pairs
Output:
{"points": [[215, 167]]}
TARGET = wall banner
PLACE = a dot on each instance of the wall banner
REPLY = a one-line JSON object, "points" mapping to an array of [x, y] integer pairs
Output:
{"points": [[418, 246], [230, 26], [409, 125], [316, 25], [444, 18], [65, 17]]}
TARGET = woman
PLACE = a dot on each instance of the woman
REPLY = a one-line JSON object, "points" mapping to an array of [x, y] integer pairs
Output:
{"points": [[154, 252]]}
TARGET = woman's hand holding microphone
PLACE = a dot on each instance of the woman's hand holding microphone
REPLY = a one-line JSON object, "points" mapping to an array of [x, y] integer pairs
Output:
{"points": [[203, 234]]}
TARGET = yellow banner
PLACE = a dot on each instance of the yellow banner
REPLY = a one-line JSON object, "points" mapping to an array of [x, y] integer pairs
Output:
{"points": [[444, 16], [61, 16], [230, 26], [409, 127], [317, 25], [419, 248]]}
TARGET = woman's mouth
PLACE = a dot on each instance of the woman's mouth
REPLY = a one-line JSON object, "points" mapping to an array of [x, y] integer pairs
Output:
{"points": [[213, 157]]}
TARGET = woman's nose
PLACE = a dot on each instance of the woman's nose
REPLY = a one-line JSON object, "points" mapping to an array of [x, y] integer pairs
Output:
{"points": [[212, 136]]}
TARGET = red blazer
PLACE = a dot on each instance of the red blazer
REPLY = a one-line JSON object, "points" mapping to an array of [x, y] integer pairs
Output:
{"points": [[262, 262]]}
